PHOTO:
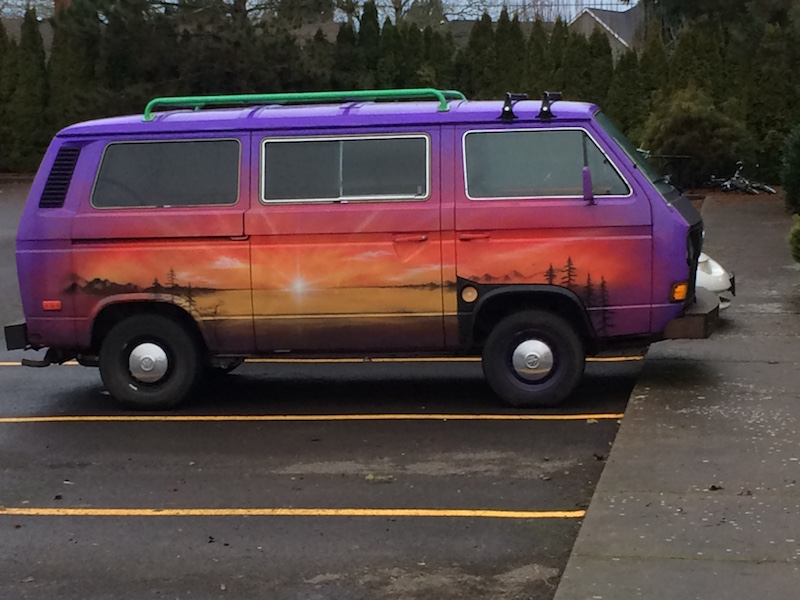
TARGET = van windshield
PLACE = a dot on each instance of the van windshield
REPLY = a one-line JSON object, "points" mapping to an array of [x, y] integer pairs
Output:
{"points": [[639, 158]]}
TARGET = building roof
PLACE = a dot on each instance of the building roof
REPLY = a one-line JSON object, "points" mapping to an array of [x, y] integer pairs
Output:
{"points": [[622, 25]]}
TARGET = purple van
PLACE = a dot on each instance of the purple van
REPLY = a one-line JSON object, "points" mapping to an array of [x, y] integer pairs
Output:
{"points": [[369, 223]]}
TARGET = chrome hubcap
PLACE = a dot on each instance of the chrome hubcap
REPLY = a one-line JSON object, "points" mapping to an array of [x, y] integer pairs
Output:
{"points": [[148, 363], [532, 360]]}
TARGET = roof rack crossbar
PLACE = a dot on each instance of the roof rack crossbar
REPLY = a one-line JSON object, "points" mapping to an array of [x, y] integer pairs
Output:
{"points": [[198, 102]]}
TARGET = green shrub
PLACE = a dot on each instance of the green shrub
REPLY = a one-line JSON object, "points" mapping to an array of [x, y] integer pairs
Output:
{"points": [[688, 124], [791, 170], [794, 239]]}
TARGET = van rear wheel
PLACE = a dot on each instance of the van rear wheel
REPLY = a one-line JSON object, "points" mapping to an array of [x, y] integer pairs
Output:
{"points": [[533, 359], [149, 362]]}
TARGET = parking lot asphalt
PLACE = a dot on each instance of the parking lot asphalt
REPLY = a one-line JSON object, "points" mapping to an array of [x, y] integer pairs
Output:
{"points": [[291, 480], [700, 497]]}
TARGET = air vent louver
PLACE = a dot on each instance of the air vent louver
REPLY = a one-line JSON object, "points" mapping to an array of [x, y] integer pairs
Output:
{"points": [[55, 190]]}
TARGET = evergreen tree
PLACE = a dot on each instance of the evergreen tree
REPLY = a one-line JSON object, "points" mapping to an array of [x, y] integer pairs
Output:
{"points": [[347, 62], [773, 89], [689, 124], [125, 42], [576, 68], [626, 103], [601, 68], [654, 63], [391, 55], [697, 60], [538, 70], [369, 34], [559, 38], [317, 65], [479, 61], [7, 79], [509, 48], [438, 57], [30, 132], [71, 70], [281, 66], [413, 47]]}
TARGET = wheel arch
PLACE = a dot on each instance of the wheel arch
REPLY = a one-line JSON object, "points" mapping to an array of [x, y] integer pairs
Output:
{"points": [[499, 303], [113, 313]]}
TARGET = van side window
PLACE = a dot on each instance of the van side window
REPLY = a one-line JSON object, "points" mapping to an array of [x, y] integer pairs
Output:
{"points": [[536, 163], [358, 169], [183, 173]]}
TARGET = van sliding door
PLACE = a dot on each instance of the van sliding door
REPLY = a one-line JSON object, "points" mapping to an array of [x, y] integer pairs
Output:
{"points": [[346, 244]]}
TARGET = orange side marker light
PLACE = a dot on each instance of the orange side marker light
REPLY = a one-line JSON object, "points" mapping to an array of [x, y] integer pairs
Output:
{"points": [[679, 292], [51, 304]]}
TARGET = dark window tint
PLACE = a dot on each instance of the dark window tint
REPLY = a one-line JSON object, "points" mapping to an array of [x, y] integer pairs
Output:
{"points": [[301, 170], [519, 164], [188, 173], [391, 167], [346, 169]]}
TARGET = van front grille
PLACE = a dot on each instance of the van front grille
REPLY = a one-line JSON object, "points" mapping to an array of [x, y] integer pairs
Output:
{"points": [[55, 189]]}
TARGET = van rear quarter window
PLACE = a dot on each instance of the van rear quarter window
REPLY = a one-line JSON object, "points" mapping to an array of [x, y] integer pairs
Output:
{"points": [[174, 173], [537, 163], [372, 168]]}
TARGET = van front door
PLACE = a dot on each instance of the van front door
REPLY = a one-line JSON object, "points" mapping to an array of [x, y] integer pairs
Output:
{"points": [[522, 220], [346, 244]]}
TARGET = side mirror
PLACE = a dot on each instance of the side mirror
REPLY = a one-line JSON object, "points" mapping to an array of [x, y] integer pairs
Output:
{"points": [[588, 193]]}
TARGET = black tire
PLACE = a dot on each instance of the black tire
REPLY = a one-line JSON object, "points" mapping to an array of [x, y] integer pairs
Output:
{"points": [[540, 389], [176, 344]]}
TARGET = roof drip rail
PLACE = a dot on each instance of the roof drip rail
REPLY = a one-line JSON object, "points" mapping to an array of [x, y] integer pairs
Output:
{"points": [[546, 113], [198, 102], [507, 115]]}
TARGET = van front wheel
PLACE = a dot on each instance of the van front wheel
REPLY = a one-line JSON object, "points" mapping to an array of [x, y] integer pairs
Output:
{"points": [[149, 362], [533, 359]]}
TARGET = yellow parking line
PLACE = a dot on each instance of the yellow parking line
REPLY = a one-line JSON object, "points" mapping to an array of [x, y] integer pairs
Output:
{"points": [[290, 512], [304, 361], [353, 417]]}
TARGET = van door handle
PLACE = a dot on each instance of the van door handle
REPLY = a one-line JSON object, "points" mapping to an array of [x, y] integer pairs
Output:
{"points": [[410, 239], [240, 238], [469, 237]]}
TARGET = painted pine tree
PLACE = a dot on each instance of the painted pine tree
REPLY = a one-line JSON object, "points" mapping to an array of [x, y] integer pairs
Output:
{"points": [[605, 316], [550, 275], [171, 279], [570, 274], [589, 291]]}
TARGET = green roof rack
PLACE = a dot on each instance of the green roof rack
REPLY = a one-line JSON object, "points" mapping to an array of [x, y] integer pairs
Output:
{"points": [[198, 102]]}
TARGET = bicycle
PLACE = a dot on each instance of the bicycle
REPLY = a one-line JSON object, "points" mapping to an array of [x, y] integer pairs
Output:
{"points": [[738, 183]]}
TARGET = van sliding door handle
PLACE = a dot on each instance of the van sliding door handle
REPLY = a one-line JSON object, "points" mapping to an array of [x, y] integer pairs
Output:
{"points": [[240, 238], [469, 237], [410, 238]]}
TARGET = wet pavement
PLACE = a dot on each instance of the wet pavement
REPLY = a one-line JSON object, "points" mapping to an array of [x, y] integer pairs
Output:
{"points": [[700, 497], [292, 480]]}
